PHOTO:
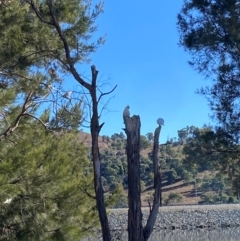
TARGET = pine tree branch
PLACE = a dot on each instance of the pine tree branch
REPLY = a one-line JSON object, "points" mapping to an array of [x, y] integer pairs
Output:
{"points": [[84, 190], [62, 37], [31, 3], [15, 123], [36, 118], [67, 49]]}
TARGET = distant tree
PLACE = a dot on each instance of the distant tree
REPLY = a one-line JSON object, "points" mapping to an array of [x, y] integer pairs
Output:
{"points": [[114, 137], [122, 136], [209, 30], [207, 149], [182, 135], [122, 202], [198, 151], [187, 175], [171, 176], [150, 136], [144, 142], [171, 141], [173, 198]]}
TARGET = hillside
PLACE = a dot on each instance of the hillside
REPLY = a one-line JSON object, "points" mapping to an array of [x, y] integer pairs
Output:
{"points": [[178, 182]]}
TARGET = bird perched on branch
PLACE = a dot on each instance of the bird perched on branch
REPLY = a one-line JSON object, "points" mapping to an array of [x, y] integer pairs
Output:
{"points": [[8, 201], [126, 113], [160, 121], [67, 95]]}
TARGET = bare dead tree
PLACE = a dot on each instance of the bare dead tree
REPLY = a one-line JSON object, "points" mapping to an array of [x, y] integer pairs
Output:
{"points": [[132, 130], [157, 187], [95, 127], [136, 232], [95, 130]]}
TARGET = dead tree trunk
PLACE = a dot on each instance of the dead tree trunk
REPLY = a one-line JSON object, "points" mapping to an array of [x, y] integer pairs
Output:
{"points": [[157, 186], [95, 130], [132, 130], [68, 62], [135, 229]]}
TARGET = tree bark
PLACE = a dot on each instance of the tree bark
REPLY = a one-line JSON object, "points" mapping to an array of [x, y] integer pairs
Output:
{"points": [[132, 130], [95, 130], [157, 186]]}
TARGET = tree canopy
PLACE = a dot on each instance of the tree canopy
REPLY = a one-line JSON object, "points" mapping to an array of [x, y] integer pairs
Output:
{"points": [[209, 31], [33, 58], [46, 178], [44, 174]]}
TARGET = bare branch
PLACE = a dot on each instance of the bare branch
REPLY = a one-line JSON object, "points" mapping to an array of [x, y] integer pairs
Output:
{"points": [[36, 118], [157, 186], [105, 106], [31, 3], [10, 140], [107, 93], [100, 127], [84, 190], [150, 207], [15, 124], [67, 49]]}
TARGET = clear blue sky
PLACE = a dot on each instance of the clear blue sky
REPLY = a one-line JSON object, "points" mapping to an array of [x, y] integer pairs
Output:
{"points": [[141, 55]]}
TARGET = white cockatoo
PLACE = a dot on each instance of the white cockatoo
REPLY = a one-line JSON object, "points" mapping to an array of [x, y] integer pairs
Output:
{"points": [[67, 95], [126, 113], [8, 200], [160, 121]]}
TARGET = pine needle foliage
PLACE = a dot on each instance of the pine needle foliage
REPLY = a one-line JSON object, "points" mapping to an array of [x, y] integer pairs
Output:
{"points": [[43, 174]]}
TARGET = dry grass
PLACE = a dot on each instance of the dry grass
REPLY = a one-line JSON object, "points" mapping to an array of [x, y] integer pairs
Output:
{"points": [[86, 139], [187, 190]]}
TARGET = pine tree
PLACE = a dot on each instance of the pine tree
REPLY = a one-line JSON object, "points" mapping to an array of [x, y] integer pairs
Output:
{"points": [[61, 31], [209, 31], [32, 57], [42, 177]]}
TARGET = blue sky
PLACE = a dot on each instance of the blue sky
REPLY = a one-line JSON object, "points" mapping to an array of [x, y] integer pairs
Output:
{"points": [[141, 55]]}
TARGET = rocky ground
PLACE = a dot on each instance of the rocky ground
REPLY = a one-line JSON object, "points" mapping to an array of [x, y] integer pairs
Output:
{"points": [[182, 218]]}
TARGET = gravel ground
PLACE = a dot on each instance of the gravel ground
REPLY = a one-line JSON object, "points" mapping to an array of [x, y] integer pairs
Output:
{"points": [[180, 218]]}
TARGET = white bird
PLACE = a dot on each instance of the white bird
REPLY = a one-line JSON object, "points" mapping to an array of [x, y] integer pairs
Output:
{"points": [[126, 113], [160, 121], [8, 201], [67, 95]]}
